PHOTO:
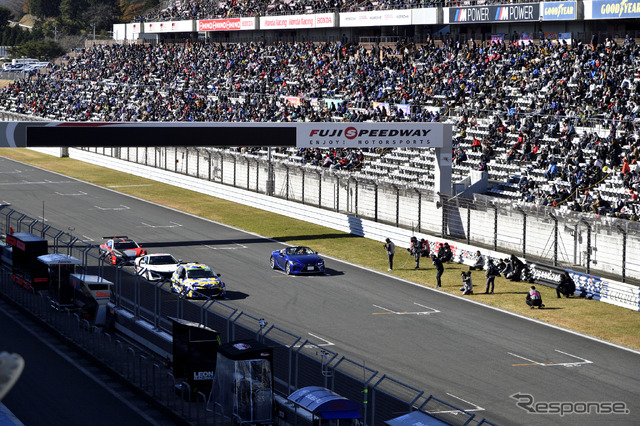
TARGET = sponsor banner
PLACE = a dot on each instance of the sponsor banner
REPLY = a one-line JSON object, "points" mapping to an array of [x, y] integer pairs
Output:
{"points": [[612, 9], [376, 18], [169, 27], [590, 286], [406, 109], [558, 11], [61, 134], [119, 31], [545, 274], [293, 100], [325, 20], [226, 24], [427, 135], [381, 105], [286, 21], [424, 16], [510, 13], [604, 290], [333, 102], [134, 28]]}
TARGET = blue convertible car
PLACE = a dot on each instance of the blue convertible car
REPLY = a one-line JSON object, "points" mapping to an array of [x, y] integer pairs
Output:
{"points": [[297, 260]]}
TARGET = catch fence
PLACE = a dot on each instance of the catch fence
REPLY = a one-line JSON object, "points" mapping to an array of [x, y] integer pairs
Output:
{"points": [[595, 244]]}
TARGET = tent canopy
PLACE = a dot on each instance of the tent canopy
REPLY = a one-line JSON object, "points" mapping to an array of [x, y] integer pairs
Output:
{"points": [[325, 403], [415, 418], [59, 259]]}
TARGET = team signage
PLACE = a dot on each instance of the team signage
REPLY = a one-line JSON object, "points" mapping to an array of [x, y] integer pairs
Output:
{"points": [[365, 135], [65, 134], [376, 18], [286, 21], [510, 13], [229, 24], [424, 16], [320, 20], [325, 20], [614, 9], [169, 27], [559, 11]]}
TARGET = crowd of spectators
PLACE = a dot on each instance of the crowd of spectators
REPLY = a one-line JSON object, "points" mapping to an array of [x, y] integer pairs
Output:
{"points": [[530, 98]]}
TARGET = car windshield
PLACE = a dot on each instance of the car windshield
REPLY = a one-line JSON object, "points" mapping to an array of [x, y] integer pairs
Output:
{"points": [[166, 259], [124, 245], [200, 273], [298, 251]]}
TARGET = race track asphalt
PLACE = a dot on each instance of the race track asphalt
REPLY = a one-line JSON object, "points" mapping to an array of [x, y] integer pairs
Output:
{"points": [[465, 353]]}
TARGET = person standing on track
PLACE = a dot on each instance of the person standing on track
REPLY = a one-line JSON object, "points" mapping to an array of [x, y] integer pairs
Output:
{"points": [[391, 250]]}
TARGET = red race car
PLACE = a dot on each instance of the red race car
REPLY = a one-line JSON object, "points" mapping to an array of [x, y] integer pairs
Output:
{"points": [[120, 249]]}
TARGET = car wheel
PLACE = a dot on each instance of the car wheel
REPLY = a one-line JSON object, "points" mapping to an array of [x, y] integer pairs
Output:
{"points": [[272, 262], [287, 268]]}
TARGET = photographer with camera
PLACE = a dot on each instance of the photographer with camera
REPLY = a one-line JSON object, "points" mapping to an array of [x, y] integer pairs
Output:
{"points": [[415, 250], [391, 250]]}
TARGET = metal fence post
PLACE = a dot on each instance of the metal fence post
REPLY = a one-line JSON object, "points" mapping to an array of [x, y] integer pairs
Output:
{"points": [[303, 186], [319, 189], [248, 174], [588, 246], [419, 209], [337, 194], [623, 269], [555, 238], [397, 204], [524, 231], [375, 201], [495, 227]]}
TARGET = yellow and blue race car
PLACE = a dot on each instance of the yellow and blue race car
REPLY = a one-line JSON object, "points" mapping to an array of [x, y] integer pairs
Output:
{"points": [[197, 280]]}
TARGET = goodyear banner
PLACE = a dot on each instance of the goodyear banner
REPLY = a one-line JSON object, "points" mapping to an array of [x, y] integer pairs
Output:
{"points": [[612, 9], [511, 13], [558, 11]]}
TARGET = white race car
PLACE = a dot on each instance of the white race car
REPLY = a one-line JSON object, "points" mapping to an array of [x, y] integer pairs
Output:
{"points": [[156, 266]]}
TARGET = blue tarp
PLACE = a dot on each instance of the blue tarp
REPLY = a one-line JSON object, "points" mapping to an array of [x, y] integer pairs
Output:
{"points": [[326, 403], [415, 418]]}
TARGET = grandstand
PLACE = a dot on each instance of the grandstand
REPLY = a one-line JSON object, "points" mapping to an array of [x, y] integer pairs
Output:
{"points": [[519, 109]]}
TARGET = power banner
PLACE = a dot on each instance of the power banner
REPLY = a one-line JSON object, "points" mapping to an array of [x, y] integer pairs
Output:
{"points": [[511, 13], [68, 134]]}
